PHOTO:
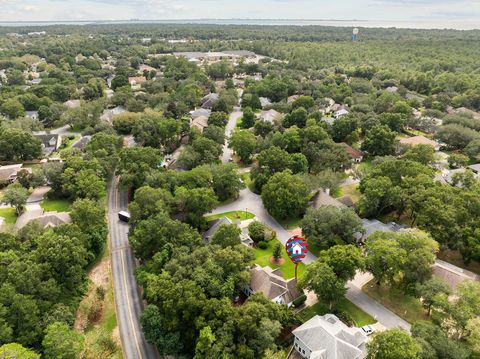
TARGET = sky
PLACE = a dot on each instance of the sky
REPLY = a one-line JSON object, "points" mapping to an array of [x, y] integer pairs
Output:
{"points": [[412, 11]]}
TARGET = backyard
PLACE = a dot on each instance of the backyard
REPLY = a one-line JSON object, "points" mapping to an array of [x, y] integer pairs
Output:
{"points": [[262, 258], [9, 215], [56, 205], [359, 317], [405, 306]]}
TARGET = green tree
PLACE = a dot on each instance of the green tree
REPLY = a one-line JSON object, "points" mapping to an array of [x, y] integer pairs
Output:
{"points": [[16, 196], [424, 154], [393, 344], [428, 290], [257, 231], [194, 203], [248, 118], [227, 235], [320, 278], [16, 144], [457, 160], [14, 350], [297, 117], [12, 108], [226, 181], [204, 343], [61, 342], [217, 118], [473, 338], [119, 81], [326, 225], [244, 143], [345, 260], [285, 195], [379, 141], [277, 251]]}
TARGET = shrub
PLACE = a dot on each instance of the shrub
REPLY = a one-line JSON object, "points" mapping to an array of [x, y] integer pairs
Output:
{"points": [[262, 245], [299, 301], [256, 231]]}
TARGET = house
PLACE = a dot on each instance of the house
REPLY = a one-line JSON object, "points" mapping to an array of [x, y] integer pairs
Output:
{"points": [[142, 68], [292, 98], [329, 120], [371, 226], [448, 176], [108, 115], [137, 81], [271, 283], [244, 236], [341, 112], [323, 198], [50, 142], [82, 142], [357, 156], [327, 337], [72, 103], [32, 114], [47, 220], [200, 122], [8, 174], [419, 140], [210, 100], [475, 168], [265, 102], [200, 112], [270, 116], [392, 89]]}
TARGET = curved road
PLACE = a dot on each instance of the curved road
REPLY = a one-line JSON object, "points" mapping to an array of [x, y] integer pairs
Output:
{"points": [[251, 202], [128, 300]]}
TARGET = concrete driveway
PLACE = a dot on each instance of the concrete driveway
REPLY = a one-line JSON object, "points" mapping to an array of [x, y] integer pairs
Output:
{"points": [[232, 121]]}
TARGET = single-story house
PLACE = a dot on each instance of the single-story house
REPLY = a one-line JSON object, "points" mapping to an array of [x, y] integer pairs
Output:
{"points": [[108, 115], [271, 283], [419, 140], [200, 112], [142, 68], [327, 337], [200, 122], [271, 116], [341, 112], [392, 89], [82, 142], [323, 198], [48, 220], [447, 177], [72, 103], [50, 142], [209, 100], [357, 155], [292, 98], [329, 120], [371, 226], [9, 173], [136, 81]]}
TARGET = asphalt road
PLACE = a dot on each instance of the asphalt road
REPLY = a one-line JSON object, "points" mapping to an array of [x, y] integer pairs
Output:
{"points": [[232, 121], [127, 294], [251, 202]]}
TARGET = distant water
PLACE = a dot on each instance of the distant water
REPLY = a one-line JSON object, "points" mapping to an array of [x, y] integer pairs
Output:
{"points": [[424, 24]]}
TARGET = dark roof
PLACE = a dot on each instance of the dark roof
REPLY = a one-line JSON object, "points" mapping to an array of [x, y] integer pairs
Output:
{"points": [[321, 198], [46, 138], [81, 143], [352, 151]]}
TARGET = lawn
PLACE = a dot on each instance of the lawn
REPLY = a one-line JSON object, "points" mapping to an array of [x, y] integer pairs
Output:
{"points": [[247, 179], [290, 223], [365, 166], [359, 317], [262, 258], [56, 205], [405, 306], [233, 215], [69, 143], [351, 191], [9, 215]]}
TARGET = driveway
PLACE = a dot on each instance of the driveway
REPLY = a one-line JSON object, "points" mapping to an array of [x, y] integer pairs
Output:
{"points": [[38, 194], [251, 202], [232, 121]]}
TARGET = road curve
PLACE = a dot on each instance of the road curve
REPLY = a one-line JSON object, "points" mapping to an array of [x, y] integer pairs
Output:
{"points": [[128, 300]]}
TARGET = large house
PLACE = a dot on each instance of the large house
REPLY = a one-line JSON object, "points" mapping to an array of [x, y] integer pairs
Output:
{"points": [[323, 198], [270, 116], [208, 101], [357, 156], [46, 220], [215, 225], [327, 337], [371, 226], [200, 122], [271, 283]]}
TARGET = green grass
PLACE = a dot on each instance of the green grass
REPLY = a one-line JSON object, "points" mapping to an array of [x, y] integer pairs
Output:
{"points": [[247, 179], [9, 215], [262, 258], [359, 317], [351, 191], [69, 143], [405, 306], [365, 166], [239, 122], [233, 215], [290, 223], [56, 205]]}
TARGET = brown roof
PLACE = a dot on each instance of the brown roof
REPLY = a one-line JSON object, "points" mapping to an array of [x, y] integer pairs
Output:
{"points": [[418, 140], [321, 198], [352, 151], [200, 122], [137, 80], [271, 283], [9, 173]]}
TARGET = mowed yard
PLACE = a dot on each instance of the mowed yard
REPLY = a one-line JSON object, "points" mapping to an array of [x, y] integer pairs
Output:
{"points": [[262, 258], [56, 205]]}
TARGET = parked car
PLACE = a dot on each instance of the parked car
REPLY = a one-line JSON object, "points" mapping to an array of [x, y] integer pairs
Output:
{"points": [[368, 329], [124, 216]]}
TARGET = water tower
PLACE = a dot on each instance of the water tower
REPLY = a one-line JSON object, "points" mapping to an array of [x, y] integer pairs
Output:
{"points": [[355, 34]]}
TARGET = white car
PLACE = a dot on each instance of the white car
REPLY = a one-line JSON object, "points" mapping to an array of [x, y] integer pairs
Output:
{"points": [[368, 329]]}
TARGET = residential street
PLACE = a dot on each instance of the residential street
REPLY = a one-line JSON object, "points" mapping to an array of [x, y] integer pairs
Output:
{"points": [[127, 294], [227, 152], [251, 202]]}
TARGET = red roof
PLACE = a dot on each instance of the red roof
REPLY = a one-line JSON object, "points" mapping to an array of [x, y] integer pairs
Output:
{"points": [[352, 151]]}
